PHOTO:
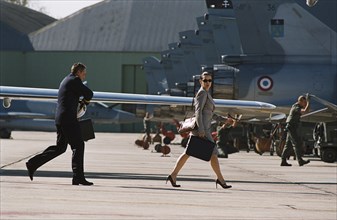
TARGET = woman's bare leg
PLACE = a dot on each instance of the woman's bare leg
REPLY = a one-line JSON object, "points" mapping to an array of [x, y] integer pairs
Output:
{"points": [[216, 168], [179, 164]]}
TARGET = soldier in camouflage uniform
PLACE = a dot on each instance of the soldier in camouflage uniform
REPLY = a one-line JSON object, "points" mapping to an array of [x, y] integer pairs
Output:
{"points": [[293, 139]]}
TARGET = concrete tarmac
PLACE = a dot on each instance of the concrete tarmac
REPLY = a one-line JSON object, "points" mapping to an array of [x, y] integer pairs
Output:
{"points": [[130, 184]]}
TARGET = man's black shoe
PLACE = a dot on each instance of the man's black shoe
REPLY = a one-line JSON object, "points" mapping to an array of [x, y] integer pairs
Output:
{"points": [[82, 182], [31, 170], [303, 162], [285, 164]]}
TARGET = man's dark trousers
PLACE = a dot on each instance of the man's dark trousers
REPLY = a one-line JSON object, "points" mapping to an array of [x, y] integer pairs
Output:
{"points": [[66, 134]]}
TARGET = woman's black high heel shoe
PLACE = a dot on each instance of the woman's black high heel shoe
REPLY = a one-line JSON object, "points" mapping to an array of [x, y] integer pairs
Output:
{"points": [[169, 178], [225, 186]]}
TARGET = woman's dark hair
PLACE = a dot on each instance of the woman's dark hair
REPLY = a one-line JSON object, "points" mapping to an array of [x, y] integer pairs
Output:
{"points": [[77, 67], [202, 76]]}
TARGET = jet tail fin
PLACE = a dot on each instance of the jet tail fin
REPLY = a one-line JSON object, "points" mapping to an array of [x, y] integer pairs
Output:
{"points": [[273, 27]]}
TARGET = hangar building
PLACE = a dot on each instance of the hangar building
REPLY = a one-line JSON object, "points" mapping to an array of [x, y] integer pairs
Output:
{"points": [[111, 38]]}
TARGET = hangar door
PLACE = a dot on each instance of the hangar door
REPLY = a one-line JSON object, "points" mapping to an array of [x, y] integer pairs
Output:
{"points": [[133, 81]]}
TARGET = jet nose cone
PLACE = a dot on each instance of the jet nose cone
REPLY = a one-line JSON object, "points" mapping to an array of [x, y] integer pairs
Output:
{"points": [[265, 105]]}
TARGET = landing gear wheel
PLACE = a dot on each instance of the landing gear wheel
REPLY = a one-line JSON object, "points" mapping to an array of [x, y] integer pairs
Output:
{"points": [[329, 155], [5, 134]]}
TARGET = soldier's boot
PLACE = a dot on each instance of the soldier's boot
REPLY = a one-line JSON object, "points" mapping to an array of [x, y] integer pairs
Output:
{"points": [[303, 162], [284, 163]]}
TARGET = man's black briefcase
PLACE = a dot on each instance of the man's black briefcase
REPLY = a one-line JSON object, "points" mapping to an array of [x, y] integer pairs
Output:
{"points": [[87, 129], [200, 148]]}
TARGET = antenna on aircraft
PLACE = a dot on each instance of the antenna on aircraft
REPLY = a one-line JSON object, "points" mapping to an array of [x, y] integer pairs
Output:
{"points": [[6, 102], [312, 3]]}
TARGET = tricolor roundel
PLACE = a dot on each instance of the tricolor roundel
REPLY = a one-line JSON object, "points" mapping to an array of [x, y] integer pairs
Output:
{"points": [[265, 83]]}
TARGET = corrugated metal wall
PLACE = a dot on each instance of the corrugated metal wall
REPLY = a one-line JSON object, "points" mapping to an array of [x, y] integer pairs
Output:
{"points": [[106, 71], [46, 69]]}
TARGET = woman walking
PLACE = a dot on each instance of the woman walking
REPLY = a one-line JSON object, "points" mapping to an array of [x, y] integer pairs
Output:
{"points": [[204, 108]]}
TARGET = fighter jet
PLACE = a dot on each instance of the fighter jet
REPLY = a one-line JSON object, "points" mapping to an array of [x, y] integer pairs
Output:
{"points": [[265, 50]]}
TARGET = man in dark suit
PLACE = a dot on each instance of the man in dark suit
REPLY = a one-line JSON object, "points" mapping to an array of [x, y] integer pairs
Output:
{"points": [[68, 129]]}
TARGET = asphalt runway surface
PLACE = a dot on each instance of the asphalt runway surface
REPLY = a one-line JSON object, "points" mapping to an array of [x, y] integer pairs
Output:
{"points": [[129, 183]]}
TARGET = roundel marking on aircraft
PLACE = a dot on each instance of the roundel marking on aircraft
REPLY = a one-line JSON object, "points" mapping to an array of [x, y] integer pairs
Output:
{"points": [[265, 83]]}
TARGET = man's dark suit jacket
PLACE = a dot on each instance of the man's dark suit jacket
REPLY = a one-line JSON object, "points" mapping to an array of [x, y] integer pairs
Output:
{"points": [[70, 90]]}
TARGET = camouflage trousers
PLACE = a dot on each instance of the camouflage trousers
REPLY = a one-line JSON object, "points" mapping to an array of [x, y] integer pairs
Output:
{"points": [[293, 141]]}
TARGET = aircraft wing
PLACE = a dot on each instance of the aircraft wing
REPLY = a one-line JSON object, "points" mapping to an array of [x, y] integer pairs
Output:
{"points": [[327, 114], [321, 115], [9, 92], [255, 115], [15, 115]]}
